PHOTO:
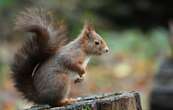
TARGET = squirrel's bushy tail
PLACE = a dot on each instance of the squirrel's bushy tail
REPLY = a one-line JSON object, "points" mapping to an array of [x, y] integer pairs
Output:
{"points": [[45, 41]]}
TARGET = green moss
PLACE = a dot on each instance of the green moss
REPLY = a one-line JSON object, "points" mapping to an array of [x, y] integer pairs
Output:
{"points": [[86, 107]]}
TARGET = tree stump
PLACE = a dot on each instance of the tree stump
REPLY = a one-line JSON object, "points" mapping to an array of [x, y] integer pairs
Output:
{"points": [[108, 101]]}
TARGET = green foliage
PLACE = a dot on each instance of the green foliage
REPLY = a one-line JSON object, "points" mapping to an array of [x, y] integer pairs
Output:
{"points": [[3, 75], [144, 45], [4, 3]]}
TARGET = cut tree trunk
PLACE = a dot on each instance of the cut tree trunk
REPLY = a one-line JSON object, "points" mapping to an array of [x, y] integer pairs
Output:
{"points": [[108, 101]]}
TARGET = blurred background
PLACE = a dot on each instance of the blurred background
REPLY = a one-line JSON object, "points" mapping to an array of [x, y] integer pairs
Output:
{"points": [[136, 31]]}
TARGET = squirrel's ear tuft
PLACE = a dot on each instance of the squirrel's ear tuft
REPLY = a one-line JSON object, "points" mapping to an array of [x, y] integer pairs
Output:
{"points": [[88, 27]]}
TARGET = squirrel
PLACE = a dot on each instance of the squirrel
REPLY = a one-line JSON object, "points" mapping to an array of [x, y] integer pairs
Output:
{"points": [[42, 68]]}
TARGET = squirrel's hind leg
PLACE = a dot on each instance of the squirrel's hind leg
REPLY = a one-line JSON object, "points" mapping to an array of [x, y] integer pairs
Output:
{"points": [[63, 89]]}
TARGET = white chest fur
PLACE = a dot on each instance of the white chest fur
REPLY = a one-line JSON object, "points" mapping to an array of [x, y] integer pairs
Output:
{"points": [[85, 62]]}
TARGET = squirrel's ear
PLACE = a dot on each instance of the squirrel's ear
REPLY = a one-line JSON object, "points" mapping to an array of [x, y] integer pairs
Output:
{"points": [[88, 28]]}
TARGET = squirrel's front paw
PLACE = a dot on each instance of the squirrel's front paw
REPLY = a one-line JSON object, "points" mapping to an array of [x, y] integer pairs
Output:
{"points": [[78, 80], [81, 74]]}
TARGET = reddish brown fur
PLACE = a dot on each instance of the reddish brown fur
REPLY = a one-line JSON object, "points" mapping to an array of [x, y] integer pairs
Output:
{"points": [[50, 60]]}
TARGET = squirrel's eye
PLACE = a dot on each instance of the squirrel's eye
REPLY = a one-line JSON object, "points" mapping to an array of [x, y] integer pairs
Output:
{"points": [[97, 42]]}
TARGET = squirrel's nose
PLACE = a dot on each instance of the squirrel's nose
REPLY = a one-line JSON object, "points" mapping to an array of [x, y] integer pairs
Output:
{"points": [[106, 50]]}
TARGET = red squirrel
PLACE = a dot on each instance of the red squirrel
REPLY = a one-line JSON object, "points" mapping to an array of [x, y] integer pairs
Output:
{"points": [[42, 68]]}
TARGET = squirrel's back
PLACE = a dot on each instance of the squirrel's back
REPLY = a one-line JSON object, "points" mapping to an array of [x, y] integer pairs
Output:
{"points": [[38, 48]]}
